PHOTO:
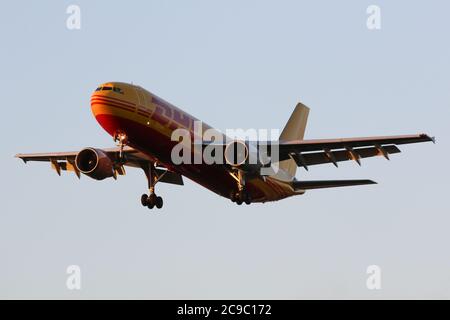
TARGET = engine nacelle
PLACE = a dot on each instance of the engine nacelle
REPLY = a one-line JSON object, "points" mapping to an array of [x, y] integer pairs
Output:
{"points": [[242, 155], [236, 153], [94, 163]]}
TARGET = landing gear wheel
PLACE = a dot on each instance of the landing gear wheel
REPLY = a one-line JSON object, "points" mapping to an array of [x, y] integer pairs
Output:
{"points": [[144, 200], [248, 199], [241, 197], [151, 201], [159, 202], [152, 198]]}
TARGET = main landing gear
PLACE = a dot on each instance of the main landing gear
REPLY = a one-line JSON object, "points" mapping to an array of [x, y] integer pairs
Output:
{"points": [[241, 196], [152, 200]]}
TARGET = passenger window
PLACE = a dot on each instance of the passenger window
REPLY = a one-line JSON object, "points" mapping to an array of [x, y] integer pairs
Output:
{"points": [[107, 88]]}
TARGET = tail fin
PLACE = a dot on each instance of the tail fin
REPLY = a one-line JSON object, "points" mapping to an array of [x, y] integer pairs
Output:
{"points": [[294, 130]]}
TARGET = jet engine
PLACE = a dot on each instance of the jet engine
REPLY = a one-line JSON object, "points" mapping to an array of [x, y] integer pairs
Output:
{"points": [[236, 153], [242, 155], [94, 163]]}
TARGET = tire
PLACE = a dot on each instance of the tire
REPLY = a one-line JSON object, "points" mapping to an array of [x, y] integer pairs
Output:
{"points": [[152, 198], [144, 200], [159, 202]]}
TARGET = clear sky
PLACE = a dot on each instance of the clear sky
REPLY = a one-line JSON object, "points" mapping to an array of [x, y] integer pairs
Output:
{"points": [[233, 64]]}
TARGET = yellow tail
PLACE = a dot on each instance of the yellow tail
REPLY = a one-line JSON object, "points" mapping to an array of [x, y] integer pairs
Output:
{"points": [[294, 130]]}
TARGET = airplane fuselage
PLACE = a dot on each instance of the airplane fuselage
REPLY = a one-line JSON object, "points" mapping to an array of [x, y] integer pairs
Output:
{"points": [[149, 121]]}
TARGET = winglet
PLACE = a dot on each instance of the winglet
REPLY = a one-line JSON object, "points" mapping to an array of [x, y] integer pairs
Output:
{"points": [[20, 157], [428, 138]]}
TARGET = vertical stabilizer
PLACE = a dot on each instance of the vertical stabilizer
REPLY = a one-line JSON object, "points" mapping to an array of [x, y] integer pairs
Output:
{"points": [[294, 130]]}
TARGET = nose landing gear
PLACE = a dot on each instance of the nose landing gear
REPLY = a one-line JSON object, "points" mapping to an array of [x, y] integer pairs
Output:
{"points": [[122, 139]]}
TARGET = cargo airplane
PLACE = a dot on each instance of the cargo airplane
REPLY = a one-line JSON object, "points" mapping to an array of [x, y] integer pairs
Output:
{"points": [[142, 125]]}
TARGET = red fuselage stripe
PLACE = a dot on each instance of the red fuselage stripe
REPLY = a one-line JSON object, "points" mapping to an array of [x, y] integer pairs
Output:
{"points": [[112, 105], [112, 102], [112, 98]]}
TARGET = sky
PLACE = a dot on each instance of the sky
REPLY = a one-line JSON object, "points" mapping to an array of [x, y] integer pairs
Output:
{"points": [[233, 64]]}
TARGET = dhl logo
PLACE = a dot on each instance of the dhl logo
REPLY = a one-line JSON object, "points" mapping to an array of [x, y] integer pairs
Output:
{"points": [[170, 116]]}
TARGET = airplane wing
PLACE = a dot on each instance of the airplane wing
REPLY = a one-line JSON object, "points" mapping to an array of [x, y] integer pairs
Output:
{"points": [[319, 151], [313, 152], [65, 161], [320, 184]]}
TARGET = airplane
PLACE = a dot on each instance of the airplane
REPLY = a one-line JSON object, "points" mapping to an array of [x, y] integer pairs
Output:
{"points": [[142, 125]]}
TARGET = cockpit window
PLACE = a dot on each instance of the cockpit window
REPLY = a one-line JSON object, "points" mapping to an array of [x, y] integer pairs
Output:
{"points": [[118, 90], [107, 88]]}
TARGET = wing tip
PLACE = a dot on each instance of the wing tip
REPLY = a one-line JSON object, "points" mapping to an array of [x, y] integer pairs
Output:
{"points": [[21, 157], [428, 137]]}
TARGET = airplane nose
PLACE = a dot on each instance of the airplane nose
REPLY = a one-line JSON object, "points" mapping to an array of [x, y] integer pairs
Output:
{"points": [[111, 105], [111, 98]]}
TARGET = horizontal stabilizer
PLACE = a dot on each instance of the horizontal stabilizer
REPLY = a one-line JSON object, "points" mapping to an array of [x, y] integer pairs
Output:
{"points": [[319, 184]]}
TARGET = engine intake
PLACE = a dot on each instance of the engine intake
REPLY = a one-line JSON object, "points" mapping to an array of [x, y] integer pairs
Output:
{"points": [[236, 153], [94, 163]]}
